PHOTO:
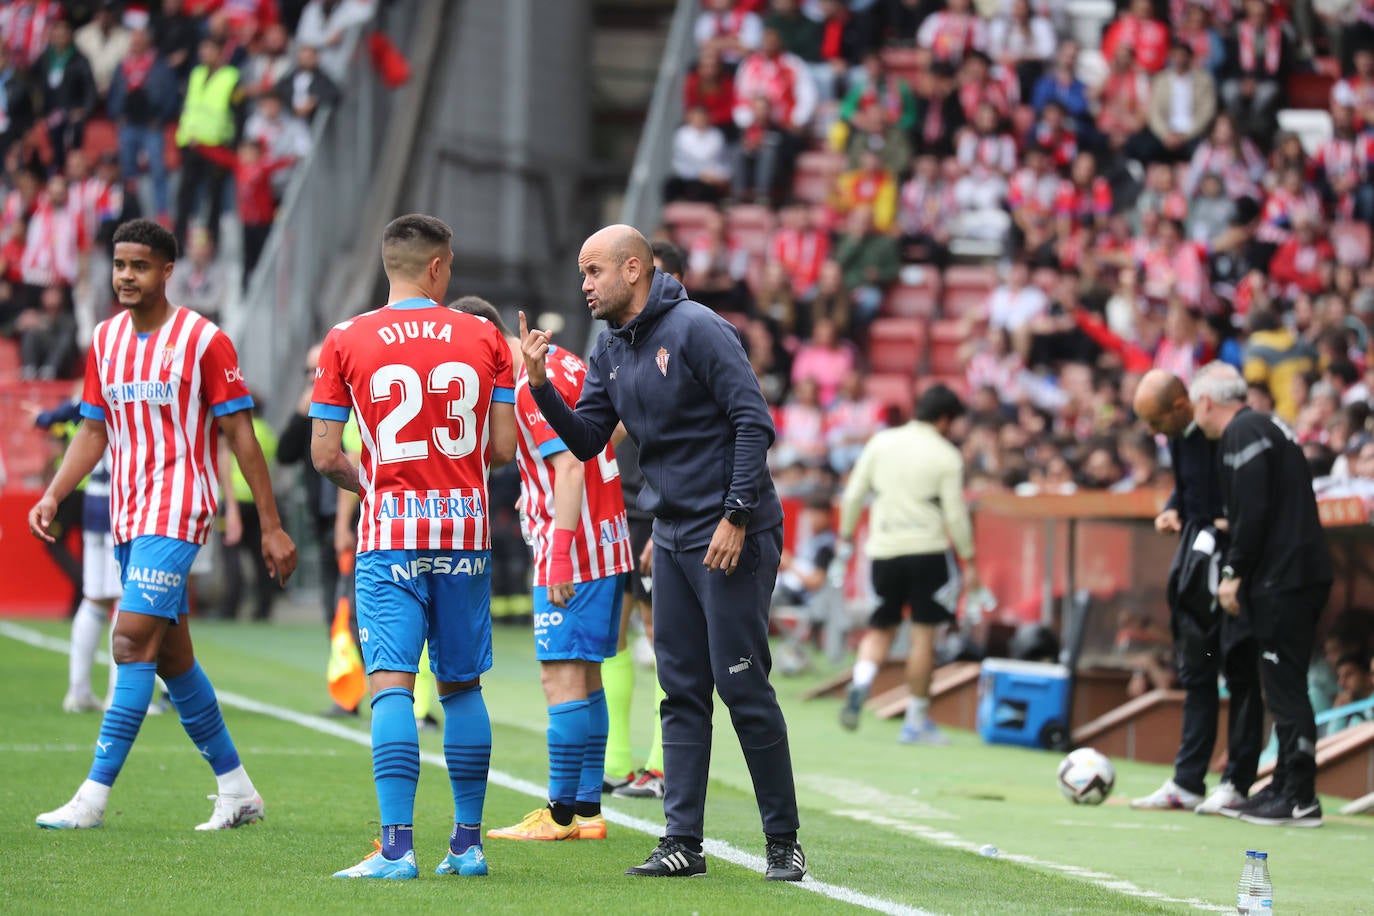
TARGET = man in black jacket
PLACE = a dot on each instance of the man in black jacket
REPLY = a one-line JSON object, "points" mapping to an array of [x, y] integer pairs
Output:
{"points": [[1276, 577], [676, 374], [1205, 642]]}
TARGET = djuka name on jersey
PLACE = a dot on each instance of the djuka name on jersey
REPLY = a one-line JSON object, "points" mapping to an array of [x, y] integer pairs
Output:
{"points": [[399, 331]]}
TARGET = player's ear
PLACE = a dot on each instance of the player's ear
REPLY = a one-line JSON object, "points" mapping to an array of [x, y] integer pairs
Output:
{"points": [[167, 269], [633, 268]]}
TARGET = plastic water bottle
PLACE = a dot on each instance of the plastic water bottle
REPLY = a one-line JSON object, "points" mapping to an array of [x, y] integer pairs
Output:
{"points": [[1264, 886], [1246, 901]]}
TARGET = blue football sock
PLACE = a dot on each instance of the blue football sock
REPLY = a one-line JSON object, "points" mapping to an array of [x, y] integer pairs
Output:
{"points": [[196, 704], [467, 751], [567, 747], [132, 694], [594, 758], [395, 766]]}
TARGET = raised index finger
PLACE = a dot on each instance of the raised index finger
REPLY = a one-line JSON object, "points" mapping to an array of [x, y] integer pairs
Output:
{"points": [[524, 326]]}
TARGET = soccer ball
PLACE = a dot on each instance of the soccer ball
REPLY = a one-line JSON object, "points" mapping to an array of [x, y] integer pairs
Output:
{"points": [[1086, 777]]}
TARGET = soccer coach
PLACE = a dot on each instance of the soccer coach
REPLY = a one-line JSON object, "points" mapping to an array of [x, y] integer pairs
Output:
{"points": [[1277, 576], [1206, 642], [677, 376]]}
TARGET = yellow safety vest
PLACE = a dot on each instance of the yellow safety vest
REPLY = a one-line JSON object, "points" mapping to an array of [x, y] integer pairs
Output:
{"points": [[207, 117]]}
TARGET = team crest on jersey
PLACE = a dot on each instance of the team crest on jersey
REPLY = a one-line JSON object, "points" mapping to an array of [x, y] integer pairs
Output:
{"points": [[662, 360], [168, 355]]}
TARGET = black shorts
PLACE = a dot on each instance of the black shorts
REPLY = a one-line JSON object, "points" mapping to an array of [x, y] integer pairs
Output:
{"points": [[641, 532], [911, 581]]}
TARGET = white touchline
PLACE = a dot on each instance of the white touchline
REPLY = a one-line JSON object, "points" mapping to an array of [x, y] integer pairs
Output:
{"points": [[717, 848]]}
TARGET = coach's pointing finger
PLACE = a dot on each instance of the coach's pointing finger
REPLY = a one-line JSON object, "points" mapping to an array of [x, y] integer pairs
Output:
{"points": [[534, 346]]}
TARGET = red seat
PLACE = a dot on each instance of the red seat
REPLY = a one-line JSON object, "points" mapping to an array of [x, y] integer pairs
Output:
{"points": [[1309, 90], [687, 219], [966, 288], [751, 226], [916, 300], [28, 451], [895, 345], [903, 62], [946, 340], [1352, 242], [815, 175], [10, 361], [892, 390]]}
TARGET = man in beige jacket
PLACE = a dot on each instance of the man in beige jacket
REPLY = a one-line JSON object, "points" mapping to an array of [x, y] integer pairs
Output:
{"points": [[916, 478], [1183, 103]]}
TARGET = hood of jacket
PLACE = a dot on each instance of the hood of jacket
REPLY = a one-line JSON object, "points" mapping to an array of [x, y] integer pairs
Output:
{"points": [[665, 294]]}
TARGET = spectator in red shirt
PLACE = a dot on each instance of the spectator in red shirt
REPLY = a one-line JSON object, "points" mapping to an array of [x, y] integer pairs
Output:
{"points": [[800, 249], [1138, 29], [708, 85], [1124, 99], [1304, 262], [257, 206]]}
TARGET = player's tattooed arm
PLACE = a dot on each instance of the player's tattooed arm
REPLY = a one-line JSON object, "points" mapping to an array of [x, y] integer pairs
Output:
{"points": [[326, 451]]}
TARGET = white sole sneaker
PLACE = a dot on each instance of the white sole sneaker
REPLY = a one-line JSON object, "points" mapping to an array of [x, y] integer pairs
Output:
{"points": [[1223, 796], [74, 815], [81, 702], [232, 811], [1168, 797]]}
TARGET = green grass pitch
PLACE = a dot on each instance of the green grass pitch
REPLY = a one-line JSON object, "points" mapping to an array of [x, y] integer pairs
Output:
{"points": [[901, 825]]}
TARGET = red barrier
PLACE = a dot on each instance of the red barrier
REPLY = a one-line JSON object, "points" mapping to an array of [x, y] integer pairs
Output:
{"points": [[33, 586]]}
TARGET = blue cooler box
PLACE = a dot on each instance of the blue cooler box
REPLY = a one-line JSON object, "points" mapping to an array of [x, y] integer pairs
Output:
{"points": [[1023, 703]]}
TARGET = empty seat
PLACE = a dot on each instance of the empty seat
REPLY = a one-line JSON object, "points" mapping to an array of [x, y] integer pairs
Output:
{"points": [[946, 340], [916, 295], [1309, 90], [815, 175], [903, 62], [895, 345], [751, 226], [687, 219], [892, 390]]}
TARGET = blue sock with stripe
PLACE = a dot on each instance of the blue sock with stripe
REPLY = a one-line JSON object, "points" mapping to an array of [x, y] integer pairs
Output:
{"points": [[395, 766], [132, 694], [194, 698], [467, 751], [567, 746], [594, 757]]}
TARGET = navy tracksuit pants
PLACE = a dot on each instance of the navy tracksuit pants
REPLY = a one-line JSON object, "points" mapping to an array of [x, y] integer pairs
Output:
{"points": [[711, 632]]}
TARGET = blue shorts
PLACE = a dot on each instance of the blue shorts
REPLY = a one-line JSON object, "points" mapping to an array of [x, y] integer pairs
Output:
{"points": [[587, 629], [153, 574], [408, 596]]}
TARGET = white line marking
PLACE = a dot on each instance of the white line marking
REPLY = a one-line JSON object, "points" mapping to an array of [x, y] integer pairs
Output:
{"points": [[717, 848]]}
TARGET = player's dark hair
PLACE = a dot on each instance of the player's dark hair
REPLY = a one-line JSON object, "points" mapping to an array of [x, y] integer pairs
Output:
{"points": [[939, 402], [476, 305], [410, 242], [150, 233], [670, 256]]}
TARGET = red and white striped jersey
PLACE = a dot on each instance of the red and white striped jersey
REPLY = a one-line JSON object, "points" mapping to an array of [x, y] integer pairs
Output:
{"points": [[422, 379], [158, 395], [601, 544]]}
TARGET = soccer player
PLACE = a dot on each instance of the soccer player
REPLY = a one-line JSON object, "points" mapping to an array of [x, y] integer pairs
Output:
{"points": [[433, 393], [162, 383], [676, 374], [576, 523]]}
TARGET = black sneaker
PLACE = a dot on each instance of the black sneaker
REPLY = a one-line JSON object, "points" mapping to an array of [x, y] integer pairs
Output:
{"points": [[786, 861], [672, 859], [853, 707], [1259, 800], [1285, 811]]}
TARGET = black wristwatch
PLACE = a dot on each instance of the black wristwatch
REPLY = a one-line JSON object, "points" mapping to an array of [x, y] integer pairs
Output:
{"points": [[1228, 572], [737, 517]]}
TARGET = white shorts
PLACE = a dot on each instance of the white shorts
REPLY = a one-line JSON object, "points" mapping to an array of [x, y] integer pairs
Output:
{"points": [[99, 569]]}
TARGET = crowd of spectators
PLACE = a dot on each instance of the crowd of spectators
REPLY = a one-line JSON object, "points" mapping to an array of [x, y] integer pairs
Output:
{"points": [[225, 88], [1140, 205]]}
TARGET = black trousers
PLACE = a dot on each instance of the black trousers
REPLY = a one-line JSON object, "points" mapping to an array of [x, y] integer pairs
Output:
{"points": [[196, 171], [1285, 626], [265, 591], [711, 632], [254, 240], [1200, 658]]}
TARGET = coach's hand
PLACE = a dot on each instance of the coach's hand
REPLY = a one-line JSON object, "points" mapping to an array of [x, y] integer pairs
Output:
{"points": [[534, 346], [560, 595], [1228, 596], [646, 558], [40, 517], [1168, 521], [725, 548], [279, 553]]}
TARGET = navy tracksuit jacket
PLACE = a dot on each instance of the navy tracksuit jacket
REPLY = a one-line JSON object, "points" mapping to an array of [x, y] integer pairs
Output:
{"points": [[679, 379]]}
